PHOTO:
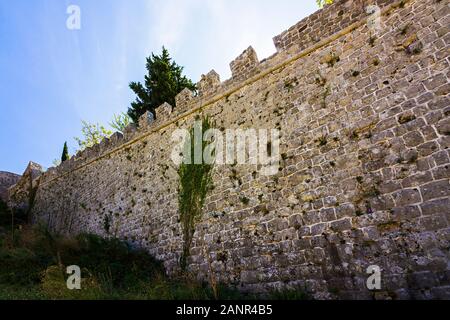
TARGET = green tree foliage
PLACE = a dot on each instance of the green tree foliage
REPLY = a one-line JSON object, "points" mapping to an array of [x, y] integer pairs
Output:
{"points": [[92, 134], [120, 122], [163, 82], [322, 3], [194, 184], [65, 154]]}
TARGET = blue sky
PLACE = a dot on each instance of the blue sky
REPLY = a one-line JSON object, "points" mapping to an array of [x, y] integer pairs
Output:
{"points": [[52, 77]]}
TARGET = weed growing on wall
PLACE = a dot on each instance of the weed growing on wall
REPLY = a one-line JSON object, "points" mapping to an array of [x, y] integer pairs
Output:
{"points": [[194, 184], [322, 3]]}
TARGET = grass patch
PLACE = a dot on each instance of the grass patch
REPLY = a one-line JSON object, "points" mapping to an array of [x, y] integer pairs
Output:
{"points": [[33, 267]]}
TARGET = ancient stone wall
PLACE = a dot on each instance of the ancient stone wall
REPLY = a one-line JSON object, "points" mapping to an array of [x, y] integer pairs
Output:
{"points": [[22, 193], [364, 176]]}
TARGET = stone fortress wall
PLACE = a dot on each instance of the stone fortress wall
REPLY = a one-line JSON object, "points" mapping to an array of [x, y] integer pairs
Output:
{"points": [[364, 176]]}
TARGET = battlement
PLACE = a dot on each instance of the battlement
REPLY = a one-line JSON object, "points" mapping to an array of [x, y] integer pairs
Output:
{"points": [[163, 113], [146, 120], [245, 65], [209, 83]]}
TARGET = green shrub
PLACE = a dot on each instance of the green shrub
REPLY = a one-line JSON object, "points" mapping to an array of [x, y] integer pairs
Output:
{"points": [[54, 286], [20, 266], [5, 215], [20, 216], [10, 292], [112, 262]]}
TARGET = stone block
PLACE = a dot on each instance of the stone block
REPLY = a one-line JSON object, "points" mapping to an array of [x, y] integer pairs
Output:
{"points": [[434, 190], [243, 65], [406, 197], [163, 112], [209, 83], [145, 120], [184, 100]]}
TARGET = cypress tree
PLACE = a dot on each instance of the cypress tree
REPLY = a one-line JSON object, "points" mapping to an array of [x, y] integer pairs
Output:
{"points": [[164, 80], [65, 154]]}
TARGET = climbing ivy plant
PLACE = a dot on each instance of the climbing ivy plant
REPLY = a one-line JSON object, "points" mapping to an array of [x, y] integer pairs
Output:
{"points": [[195, 180]]}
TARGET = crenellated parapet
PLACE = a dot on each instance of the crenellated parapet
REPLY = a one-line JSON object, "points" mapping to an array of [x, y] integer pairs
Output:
{"points": [[130, 131], [50, 174], [245, 65]]}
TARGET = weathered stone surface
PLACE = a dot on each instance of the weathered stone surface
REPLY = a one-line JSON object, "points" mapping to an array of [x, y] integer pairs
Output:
{"points": [[146, 120], [440, 206], [163, 112], [406, 197], [183, 100], [128, 133], [243, 65], [437, 189]]}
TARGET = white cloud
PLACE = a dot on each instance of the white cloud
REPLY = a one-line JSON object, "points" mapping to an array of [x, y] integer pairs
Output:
{"points": [[168, 21]]}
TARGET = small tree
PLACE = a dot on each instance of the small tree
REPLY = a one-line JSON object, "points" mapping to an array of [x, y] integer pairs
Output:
{"points": [[164, 80], [65, 154], [120, 122], [92, 135], [322, 3]]}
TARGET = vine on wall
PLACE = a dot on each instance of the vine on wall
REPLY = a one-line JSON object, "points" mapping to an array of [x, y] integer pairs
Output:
{"points": [[194, 184]]}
